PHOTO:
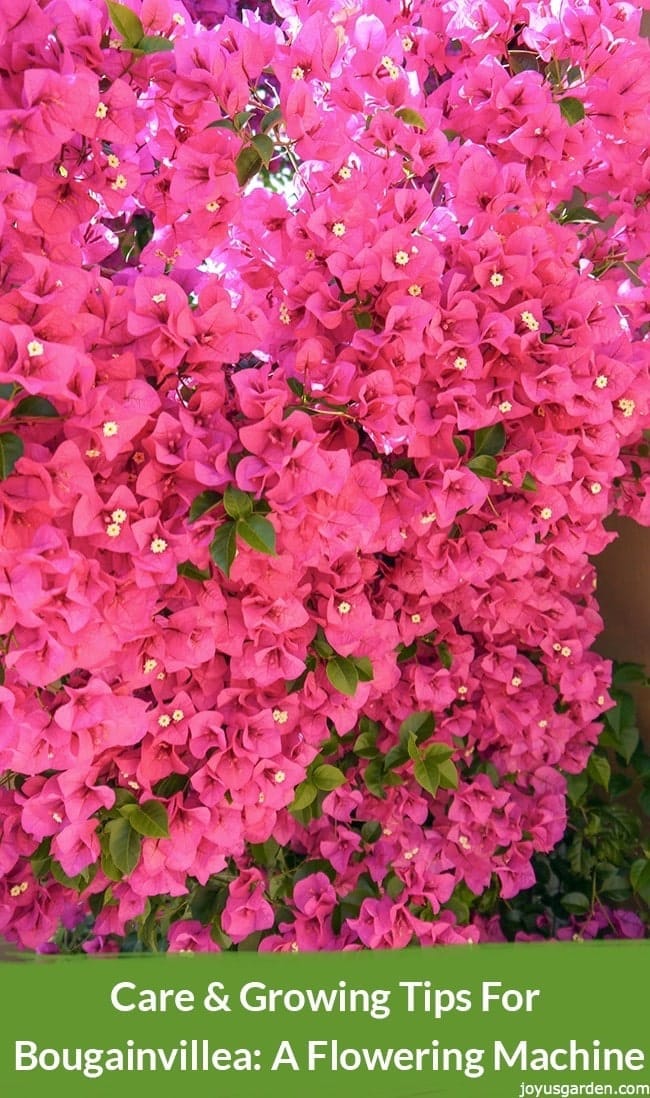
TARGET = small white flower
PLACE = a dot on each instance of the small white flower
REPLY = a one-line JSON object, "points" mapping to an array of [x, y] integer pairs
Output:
{"points": [[158, 545], [110, 428], [344, 607], [530, 321], [35, 349]]}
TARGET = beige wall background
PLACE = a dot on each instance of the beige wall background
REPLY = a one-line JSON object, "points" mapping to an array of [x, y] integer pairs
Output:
{"points": [[624, 597]]}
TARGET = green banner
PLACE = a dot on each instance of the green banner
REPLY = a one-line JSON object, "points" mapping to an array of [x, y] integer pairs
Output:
{"points": [[487, 1021]]}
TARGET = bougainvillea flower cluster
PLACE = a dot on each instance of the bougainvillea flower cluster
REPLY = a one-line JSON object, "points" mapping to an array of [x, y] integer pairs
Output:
{"points": [[323, 359]]}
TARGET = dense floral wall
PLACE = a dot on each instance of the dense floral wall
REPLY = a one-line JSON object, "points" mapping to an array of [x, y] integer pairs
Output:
{"points": [[324, 358]]}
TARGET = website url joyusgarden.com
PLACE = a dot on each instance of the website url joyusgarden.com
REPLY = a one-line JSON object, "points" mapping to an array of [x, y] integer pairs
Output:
{"points": [[567, 1090]]}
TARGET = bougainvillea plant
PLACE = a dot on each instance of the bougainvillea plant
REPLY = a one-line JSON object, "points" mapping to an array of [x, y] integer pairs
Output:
{"points": [[324, 357]]}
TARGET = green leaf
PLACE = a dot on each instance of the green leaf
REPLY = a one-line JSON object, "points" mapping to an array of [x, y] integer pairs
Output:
{"points": [[374, 778], [412, 747], [123, 845], [190, 571], [572, 109], [406, 652], [321, 646], [628, 672], [364, 668], [363, 320], [411, 117], [640, 878], [242, 118], [265, 147], [122, 796], [35, 407], [62, 878], [222, 124], [522, 61], [427, 774], [343, 675], [238, 504], [484, 466], [580, 214], [576, 903], [247, 165], [305, 793], [445, 655], [599, 770], [170, 785], [576, 786], [108, 866], [365, 745], [490, 440], [257, 532], [11, 448], [265, 853], [627, 742], [149, 818], [296, 386], [439, 752], [420, 725], [126, 22], [616, 888], [529, 484], [204, 903], [448, 775], [154, 44], [7, 390], [371, 831], [40, 859], [224, 546], [271, 119], [460, 444], [397, 756], [203, 503], [327, 777]]}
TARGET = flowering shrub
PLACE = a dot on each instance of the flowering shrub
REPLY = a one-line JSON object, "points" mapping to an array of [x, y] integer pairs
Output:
{"points": [[324, 358]]}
